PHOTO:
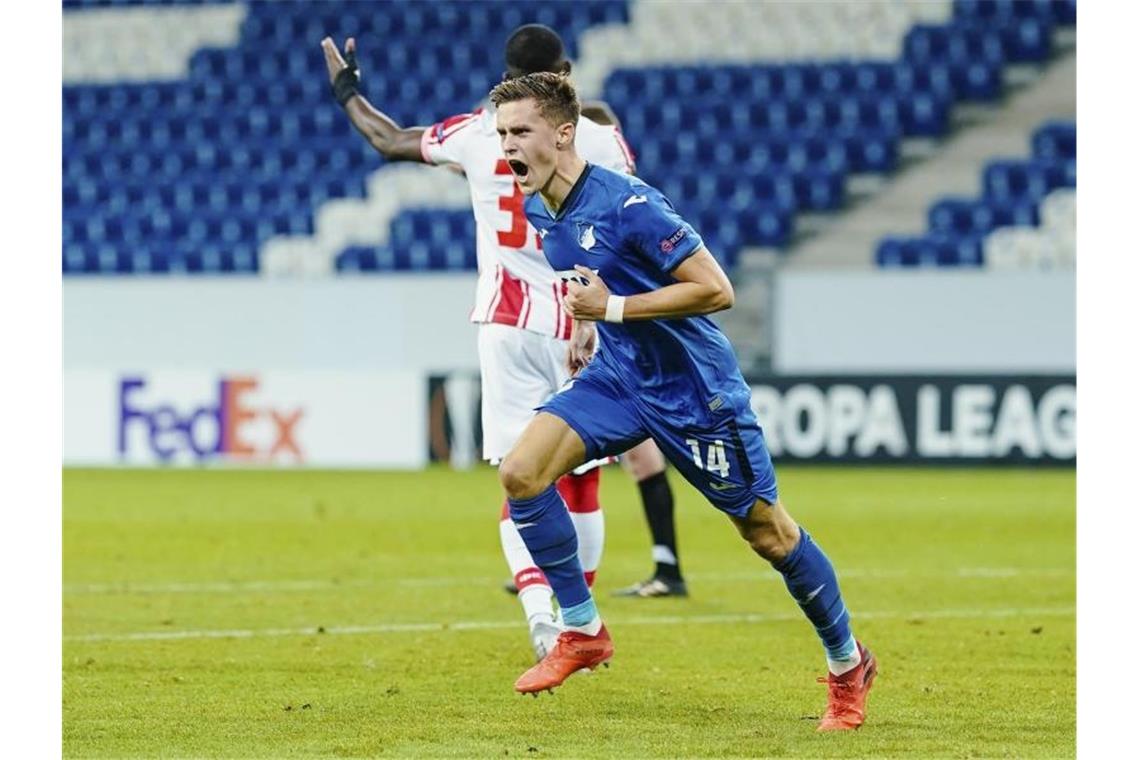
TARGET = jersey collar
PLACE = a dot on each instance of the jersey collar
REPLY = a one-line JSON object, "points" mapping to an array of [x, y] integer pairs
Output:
{"points": [[572, 196]]}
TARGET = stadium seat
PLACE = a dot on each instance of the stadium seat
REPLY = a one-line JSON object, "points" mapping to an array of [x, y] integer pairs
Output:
{"points": [[1026, 216], [1030, 180], [249, 145], [1059, 211], [765, 225], [929, 251], [1019, 248], [1055, 141]]}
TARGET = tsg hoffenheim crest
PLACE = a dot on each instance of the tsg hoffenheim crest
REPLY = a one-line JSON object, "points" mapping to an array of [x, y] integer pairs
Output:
{"points": [[586, 236]]}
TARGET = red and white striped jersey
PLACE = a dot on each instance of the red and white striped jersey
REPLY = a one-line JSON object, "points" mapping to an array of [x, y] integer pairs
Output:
{"points": [[516, 286]]}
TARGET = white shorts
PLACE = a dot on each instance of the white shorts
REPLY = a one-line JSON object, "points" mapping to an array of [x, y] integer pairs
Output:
{"points": [[520, 369]]}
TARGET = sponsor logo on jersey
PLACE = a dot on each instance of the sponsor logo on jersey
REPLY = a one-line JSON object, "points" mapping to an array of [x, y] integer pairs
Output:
{"points": [[633, 199], [718, 486], [669, 243], [586, 236], [573, 275]]}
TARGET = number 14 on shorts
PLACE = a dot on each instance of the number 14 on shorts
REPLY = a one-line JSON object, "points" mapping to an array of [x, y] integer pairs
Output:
{"points": [[715, 462]]}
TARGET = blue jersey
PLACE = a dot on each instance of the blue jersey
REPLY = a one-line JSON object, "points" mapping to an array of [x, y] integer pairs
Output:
{"points": [[626, 231]]}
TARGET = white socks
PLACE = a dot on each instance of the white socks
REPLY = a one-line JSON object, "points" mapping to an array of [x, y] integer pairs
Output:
{"points": [[591, 529], [535, 594]]}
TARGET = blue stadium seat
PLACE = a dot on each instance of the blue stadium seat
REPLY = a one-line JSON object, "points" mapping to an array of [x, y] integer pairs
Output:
{"points": [[1018, 213], [1055, 141], [950, 216], [977, 80], [934, 77], [921, 113], [819, 189], [953, 43], [1022, 180], [817, 152], [1070, 172], [1061, 12], [967, 216], [765, 225], [776, 189], [870, 150], [1064, 12], [1013, 190], [871, 111], [1027, 40], [195, 173], [925, 251], [839, 77]]}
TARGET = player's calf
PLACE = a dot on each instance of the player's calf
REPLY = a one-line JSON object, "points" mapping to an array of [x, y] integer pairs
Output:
{"points": [[809, 577], [769, 530]]}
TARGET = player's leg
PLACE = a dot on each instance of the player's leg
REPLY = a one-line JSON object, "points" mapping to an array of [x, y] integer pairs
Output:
{"points": [[808, 575], [579, 488], [585, 421], [580, 492], [811, 580], [511, 391], [729, 463], [647, 466], [548, 448]]}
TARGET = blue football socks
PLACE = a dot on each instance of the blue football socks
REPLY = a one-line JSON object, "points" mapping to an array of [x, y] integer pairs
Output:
{"points": [[548, 532], [811, 581]]}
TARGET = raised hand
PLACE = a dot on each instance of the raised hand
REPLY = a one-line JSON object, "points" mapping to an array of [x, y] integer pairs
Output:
{"points": [[344, 73]]}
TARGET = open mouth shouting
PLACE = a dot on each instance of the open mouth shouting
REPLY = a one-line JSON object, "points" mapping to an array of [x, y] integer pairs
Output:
{"points": [[519, 169]]}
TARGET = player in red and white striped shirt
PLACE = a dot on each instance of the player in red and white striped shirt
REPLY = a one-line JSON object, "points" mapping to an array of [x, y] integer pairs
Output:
{"points": [[524, 353]]}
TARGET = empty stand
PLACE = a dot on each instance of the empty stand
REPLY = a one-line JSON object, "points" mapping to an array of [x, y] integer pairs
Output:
{"points": [[196, 174], [1025, 215]]}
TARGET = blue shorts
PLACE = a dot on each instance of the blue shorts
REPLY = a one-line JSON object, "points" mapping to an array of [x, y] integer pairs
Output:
{"points": [[726, 459]]}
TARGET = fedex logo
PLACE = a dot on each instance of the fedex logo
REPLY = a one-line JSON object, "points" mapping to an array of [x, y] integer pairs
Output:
{"points": [[229, 426]]}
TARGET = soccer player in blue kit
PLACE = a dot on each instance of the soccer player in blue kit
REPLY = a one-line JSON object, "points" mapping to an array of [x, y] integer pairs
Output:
{"points": [[641, 277]]}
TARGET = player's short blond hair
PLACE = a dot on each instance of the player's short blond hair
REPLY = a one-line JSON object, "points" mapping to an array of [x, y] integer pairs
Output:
{"points": [[554, 94]]}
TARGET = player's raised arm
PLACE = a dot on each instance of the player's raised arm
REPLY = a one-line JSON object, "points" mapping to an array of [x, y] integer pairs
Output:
{"points": [[385, 135]]}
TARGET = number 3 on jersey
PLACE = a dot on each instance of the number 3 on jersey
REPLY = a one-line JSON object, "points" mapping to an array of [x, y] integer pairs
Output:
{"points": [[716, 462], [515, 237]]}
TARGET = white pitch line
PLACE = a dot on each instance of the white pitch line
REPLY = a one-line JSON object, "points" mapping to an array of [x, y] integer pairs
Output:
{"points": [[212, 587], [234, 587], [472, 625]]}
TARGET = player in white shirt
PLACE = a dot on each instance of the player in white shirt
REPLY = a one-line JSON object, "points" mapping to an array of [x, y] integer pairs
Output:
{"points": [[524, 349]]}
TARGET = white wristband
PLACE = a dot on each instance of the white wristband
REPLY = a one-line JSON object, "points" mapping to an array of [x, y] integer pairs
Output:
{"points": [[615, 308]]}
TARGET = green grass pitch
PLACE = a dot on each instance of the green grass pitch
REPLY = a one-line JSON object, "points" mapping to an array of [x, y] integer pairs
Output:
{"points": [[347, 614]]}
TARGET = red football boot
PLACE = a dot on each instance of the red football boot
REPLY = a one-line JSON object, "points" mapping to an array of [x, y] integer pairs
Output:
{"points": [[847, 694], [573, 652]]}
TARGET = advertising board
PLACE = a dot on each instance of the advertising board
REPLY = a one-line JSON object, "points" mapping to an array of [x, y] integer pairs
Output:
{"points": [[902, 419], [263, 418]]}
